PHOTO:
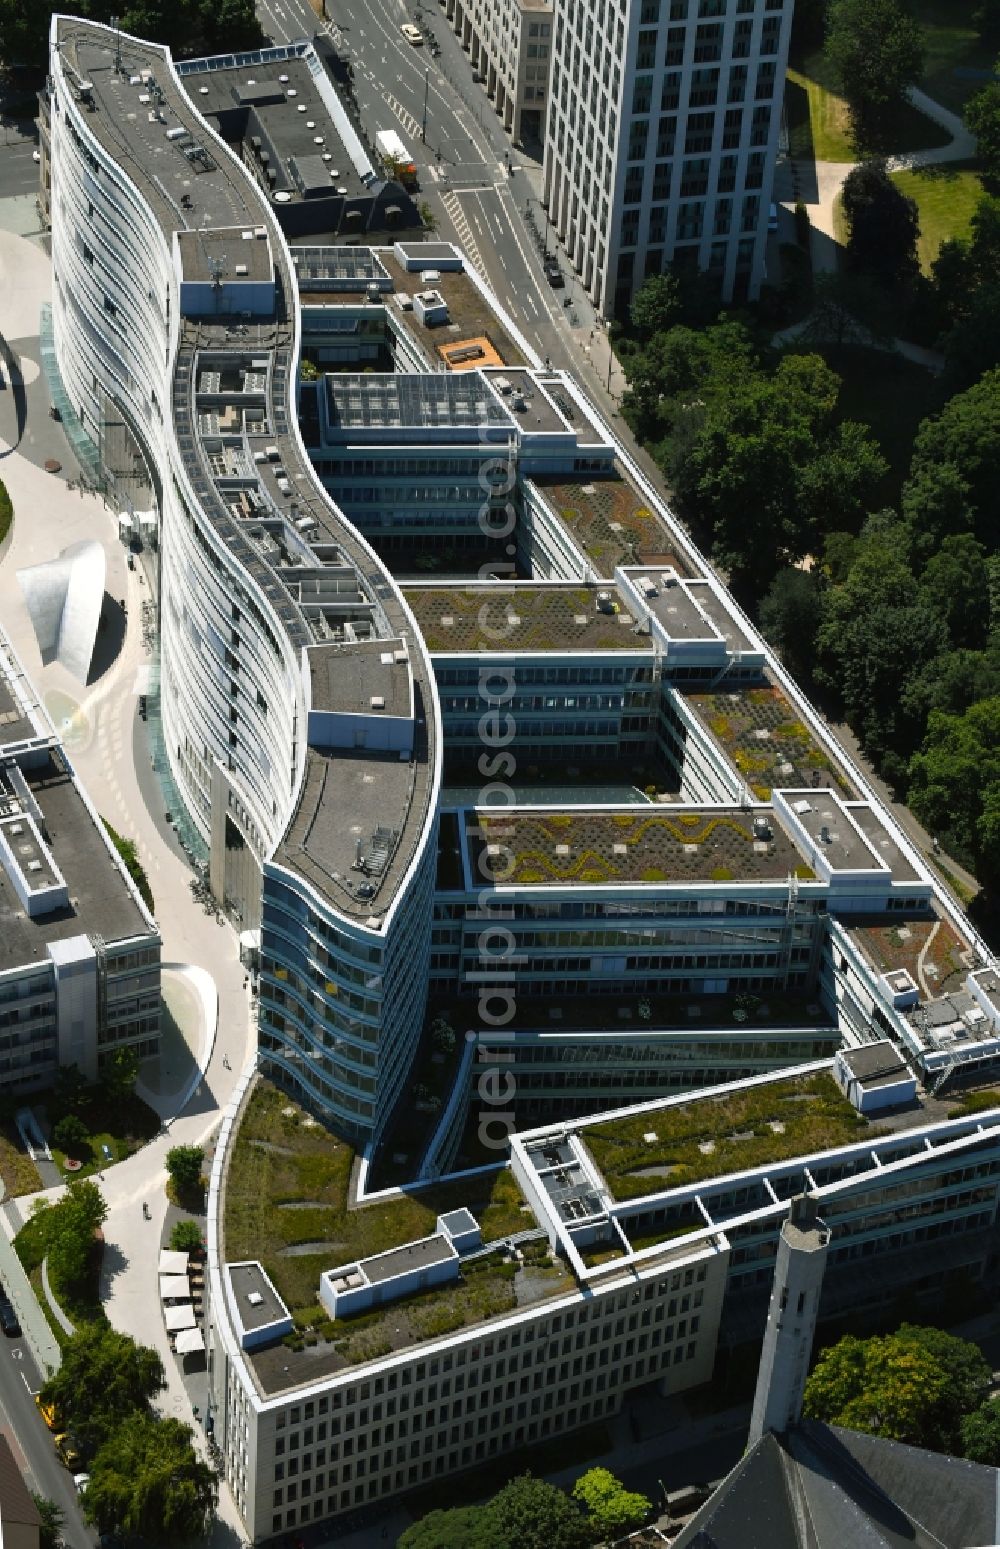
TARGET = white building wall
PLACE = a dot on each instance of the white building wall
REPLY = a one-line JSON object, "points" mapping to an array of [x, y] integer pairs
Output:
{"points": [[665, 153]]}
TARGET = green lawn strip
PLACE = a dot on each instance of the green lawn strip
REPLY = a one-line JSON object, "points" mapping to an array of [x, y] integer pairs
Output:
{"points": [[819, 123], [946, 198], [130, 858], [811, 1112], [950, 41], [6, 511], [18, 1171], [123, 1124], [279, 1159]]}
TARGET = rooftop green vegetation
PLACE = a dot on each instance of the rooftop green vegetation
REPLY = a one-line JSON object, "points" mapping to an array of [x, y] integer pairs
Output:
{"points": [[713, 1136], [528, 618], [766, 741], [133, 865], [668, 847], [286, 1204], [612, 524]]}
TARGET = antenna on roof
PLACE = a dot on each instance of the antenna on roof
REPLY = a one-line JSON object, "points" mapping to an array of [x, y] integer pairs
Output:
{"points": [[116, 24]]}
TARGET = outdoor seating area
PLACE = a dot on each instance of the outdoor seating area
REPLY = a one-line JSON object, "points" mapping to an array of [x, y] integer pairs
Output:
{"points": [[182, 1298]]}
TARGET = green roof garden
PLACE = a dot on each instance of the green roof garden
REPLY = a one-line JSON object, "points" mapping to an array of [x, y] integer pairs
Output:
{"points": [[770, 746], [611, 523], [712, 1136], [287, 1203], [551, 617]]}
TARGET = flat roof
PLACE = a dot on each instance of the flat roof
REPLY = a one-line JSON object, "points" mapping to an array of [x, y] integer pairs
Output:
{"points": [[675, 605], [469, 314], [870, 821], [17, 724], [536, 616], [100, 901], [352, 678], [611, 521], [830, 828], [412, 1255], [762, 732], [581, 848], [277, 101], [397, 400], [249, 1280], [221, 253], [876, 1064]]}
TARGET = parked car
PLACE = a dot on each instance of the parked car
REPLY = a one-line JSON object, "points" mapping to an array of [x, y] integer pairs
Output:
{"points": [[8, 1320], [772, 218], [554, 274], [49, 1414], [68, 1450], [412, 34], [81, 1481]]}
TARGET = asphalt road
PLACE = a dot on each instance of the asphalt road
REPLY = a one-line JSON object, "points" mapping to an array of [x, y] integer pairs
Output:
{"points": [[461, 155], [18, 169], [30, 1441]]}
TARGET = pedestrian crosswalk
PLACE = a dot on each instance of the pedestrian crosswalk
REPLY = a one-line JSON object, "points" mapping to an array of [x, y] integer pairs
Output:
{"points": [[463, 230], [405, 117]]}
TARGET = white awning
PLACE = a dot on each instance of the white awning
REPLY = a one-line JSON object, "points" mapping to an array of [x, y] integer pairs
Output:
{"points": [[172, 1262], [189, 1340], [174, 1288], [177, 1318]]}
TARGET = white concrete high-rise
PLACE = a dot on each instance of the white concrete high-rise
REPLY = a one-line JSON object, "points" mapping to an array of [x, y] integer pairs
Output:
{"points": [[661, 138], [791, 1320]]}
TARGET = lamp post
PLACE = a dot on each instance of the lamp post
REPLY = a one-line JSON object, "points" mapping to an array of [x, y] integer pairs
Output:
{"points": [[423, 127]]}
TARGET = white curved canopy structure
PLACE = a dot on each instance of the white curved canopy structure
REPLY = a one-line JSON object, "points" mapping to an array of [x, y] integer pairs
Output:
{"points": [[64, 597]]}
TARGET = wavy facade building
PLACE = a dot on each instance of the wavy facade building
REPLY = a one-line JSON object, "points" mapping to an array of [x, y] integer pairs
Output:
{"points": [[299, 710]]}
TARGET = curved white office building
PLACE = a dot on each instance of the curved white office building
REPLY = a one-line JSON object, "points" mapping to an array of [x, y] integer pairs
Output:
{"points": [[299, 711]]}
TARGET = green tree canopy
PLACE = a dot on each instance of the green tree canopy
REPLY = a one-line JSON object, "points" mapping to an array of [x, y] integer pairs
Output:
{"points": [[955, 470], [955, 585], [103, 1378], [147, 1479], [186, 1237], [790, 614], [876, 52], [186, 26], [184, 1168], [68, 1229], [53, 1521], [913, 1386], [528, 1513], [981, 1434], [611, 1509], [883, 225], [70, 1134], [982, 117], [955, 782], [463, 1527], [656, 305]]}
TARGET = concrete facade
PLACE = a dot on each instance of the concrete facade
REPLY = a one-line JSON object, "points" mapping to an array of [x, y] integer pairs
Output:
{"points": [[791, 1321]]}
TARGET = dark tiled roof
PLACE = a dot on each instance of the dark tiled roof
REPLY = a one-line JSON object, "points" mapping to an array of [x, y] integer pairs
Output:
{"points": [[821, 1487]]}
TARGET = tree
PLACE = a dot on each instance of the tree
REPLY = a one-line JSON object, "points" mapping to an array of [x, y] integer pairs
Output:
{"points": [[184, 1168], [955, 585], [656, 305], [104, 1378], [70, 1134], [981, 1434], [464, 1527], [986, 20], [146, 1478], [883, 225], [955, 782], [71, 1090], [187, 26], [611, 1509], [913, 1386], [790, 614], [876, 52], [118, 1074], [955, 469], [53, 1521], [982, 118], [69, 1228], [186, 1237], [528, 1513]]}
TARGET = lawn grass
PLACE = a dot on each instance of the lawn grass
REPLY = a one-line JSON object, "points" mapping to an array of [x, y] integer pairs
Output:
{"points": [[281, 1158], [946, 198], [819, 123], [764, 1124], [950, 41], [123, 1124], [18, 1171]]}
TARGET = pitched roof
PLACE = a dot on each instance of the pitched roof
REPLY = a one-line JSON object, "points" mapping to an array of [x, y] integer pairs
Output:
{"points": [[820, 1487]]}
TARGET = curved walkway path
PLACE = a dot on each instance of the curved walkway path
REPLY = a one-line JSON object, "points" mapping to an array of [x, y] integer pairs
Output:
{"points": [[827, 177]]}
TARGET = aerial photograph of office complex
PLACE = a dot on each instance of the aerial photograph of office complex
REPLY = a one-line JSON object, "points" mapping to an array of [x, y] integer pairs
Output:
{"points": [[499, 790]]}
